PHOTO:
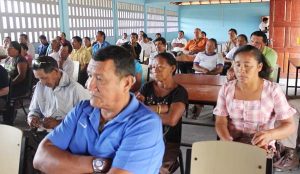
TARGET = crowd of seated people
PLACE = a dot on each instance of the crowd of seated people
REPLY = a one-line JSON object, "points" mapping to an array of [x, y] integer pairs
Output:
{"points": [[113, 73]]}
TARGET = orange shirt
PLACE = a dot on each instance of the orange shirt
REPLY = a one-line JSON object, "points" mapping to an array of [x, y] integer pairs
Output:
{"points": [[196, 46]]}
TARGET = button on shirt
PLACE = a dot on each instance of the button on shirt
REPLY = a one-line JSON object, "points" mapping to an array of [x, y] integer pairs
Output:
{"points": [[133, 139], [99, 45], [57, 103]]}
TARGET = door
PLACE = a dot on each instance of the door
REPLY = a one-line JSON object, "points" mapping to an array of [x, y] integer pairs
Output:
{"points": [[284, 31]]}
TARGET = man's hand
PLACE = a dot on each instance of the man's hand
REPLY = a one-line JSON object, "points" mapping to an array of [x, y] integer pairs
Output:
{"points": [[50, 123], [33, 121]]}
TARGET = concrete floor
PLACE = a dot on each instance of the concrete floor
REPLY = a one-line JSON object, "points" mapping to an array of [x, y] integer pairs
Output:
{"points": [[190, 133]]}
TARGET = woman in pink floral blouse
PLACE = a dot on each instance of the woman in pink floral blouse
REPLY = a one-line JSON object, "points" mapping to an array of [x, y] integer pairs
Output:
{"points": [[248, 107]]}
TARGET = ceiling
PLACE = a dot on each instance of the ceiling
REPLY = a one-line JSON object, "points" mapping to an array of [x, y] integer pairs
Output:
{"points": [[206, 2]]}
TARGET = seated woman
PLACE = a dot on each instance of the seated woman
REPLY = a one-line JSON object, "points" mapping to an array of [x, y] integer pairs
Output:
{"points": [[164, 96], [17, 68], [248, 107]]}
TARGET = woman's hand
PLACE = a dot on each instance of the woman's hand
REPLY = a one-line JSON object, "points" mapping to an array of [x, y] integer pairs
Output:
{"points": [[140, 97], [262, 139]]}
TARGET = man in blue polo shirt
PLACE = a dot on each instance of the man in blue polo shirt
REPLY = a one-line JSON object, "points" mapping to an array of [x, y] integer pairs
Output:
{"points": [[100, 42], [112, 132]]}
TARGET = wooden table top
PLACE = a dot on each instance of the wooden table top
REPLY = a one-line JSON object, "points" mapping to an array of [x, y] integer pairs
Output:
{"points": [[202, 94], [185, 58], [200, 79], [295, 62]]}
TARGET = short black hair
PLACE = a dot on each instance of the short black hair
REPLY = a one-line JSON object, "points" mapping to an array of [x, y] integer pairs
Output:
{"points": [[169, 58], [158, 34], [260, 34], [214, 41], [203, 32], [42, 37], [46, 63], [135, 35], [87, 38], [243, 36], [102, 34], [78, 39], [16, 46], [70, 48], [259, 57], [163, 40], [124, 64], [63, 33], [24, 46], [233, 30], [24, 35], [145, 35], [181, 31]]}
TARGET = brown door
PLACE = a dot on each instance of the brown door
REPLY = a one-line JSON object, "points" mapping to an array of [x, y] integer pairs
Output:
{"points": [[284, 30]]}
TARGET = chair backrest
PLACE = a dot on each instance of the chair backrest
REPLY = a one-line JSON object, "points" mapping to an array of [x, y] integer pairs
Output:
{"points": [[214, 157], [11, 149], [76, 70], [276, 73]]}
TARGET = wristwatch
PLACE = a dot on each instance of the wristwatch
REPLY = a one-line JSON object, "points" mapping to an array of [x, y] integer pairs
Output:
{"points": [[100, 165]]}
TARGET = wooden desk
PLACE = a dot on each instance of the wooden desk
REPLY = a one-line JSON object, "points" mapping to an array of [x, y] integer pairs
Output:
{"points": [[200, 79], [202, 94], [185, 58], [296, 63]]}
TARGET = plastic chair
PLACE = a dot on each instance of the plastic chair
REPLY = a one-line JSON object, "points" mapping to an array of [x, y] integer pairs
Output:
{"points": [[76, 70], [215, 157], [12, 148]]}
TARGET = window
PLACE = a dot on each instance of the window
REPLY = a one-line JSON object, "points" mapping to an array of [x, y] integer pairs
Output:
{"points": [[172, 21], [156, 20], [130, 18], [29, 15], [86, 17]]}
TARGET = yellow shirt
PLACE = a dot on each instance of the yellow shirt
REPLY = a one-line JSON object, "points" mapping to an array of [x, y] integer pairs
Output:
{"points": [[89, 49], [82, 55]]}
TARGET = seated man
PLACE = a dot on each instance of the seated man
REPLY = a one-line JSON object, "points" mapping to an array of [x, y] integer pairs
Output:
{"points": [[64, 61], [135, 45], [197, 44], [147, 46], [42, 49], [231, 43], [179, 43], [54, 96], [161, 47], [111, 133]]}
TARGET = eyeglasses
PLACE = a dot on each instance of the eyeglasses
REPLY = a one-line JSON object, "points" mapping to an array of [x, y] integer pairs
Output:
{"points": [[38, 63]]}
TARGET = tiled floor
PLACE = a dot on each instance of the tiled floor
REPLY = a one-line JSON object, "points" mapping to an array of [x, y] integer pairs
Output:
{"points": [[190, 133]]}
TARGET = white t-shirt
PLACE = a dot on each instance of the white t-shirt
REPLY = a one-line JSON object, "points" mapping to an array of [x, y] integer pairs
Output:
{"points": [[263, 26], [177, 40], [148, 47], [121, 41], [231, 53], [54, 55], [208, 62], [31, 50]]}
